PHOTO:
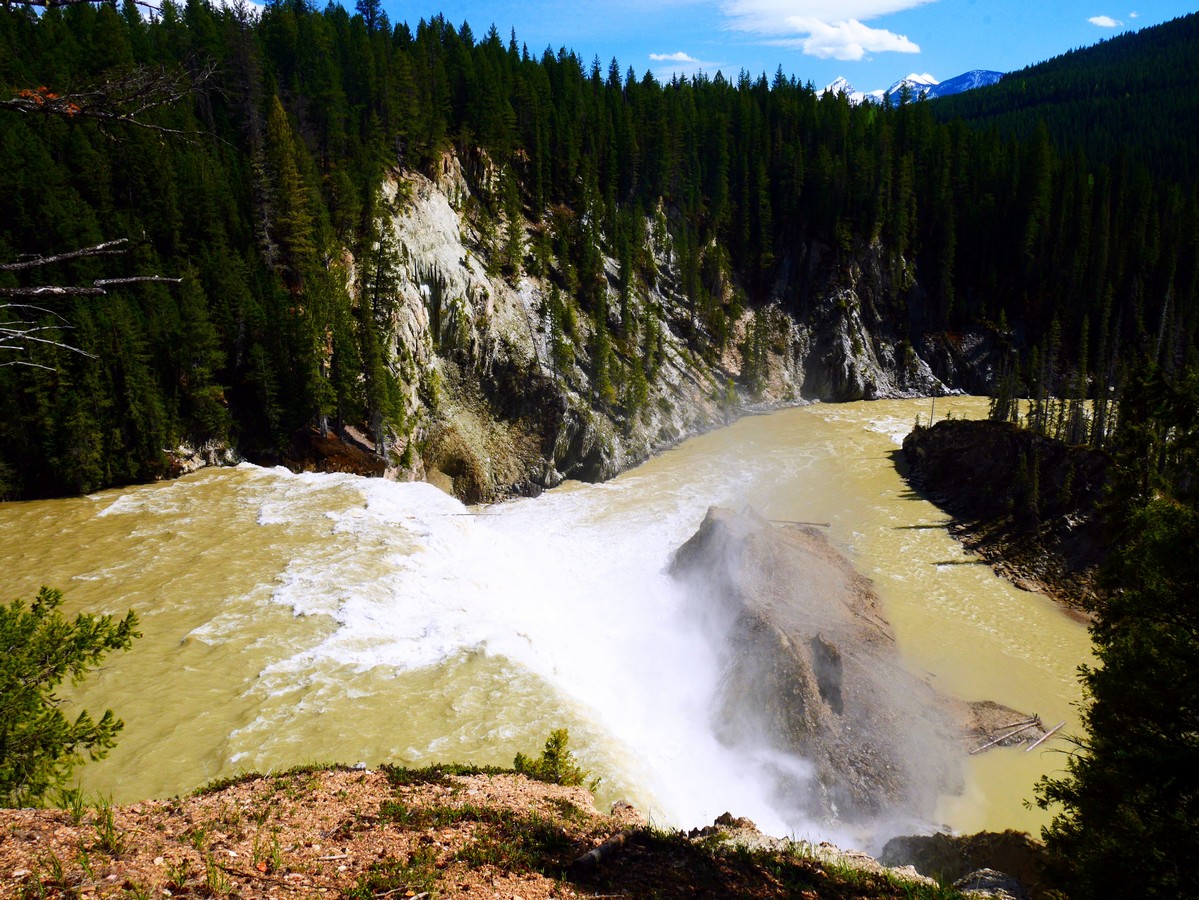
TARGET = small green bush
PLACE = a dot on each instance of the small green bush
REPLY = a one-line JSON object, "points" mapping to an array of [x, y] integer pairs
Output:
{"points": [[557, 764]]}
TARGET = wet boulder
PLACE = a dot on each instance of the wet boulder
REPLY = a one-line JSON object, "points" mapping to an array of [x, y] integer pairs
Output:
{"points": [[812, 689]]}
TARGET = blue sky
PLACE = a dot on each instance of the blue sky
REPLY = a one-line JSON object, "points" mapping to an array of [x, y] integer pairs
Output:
{"points": [[871, 42]]}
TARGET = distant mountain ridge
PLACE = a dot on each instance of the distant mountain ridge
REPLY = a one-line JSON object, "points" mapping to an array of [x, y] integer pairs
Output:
{"points": [[967, 81], [1131, 97], [924, 85]]}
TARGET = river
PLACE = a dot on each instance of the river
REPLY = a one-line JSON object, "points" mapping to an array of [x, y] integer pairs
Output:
{"points": [[291, 618]]}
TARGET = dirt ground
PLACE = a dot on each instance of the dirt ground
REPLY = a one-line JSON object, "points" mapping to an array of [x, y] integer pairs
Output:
{"points": [[394, 833]]}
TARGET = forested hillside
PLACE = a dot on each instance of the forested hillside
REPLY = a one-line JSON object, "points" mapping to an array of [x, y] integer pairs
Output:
{"points": [[261, 189], [1131, 97]]}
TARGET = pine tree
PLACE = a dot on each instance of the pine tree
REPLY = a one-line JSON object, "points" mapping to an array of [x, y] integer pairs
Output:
{"points": [[39, 745], [601, 359], [290, 220], [377, 301], [1133, 781]]}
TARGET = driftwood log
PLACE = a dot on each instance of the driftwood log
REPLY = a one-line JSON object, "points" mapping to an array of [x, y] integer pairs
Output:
{"points": [[606, 850]]}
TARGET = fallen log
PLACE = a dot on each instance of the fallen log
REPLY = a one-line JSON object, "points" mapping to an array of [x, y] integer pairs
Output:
{"points": [[1033, 724], [1021, 722], [1046, 736], [594, 857]]}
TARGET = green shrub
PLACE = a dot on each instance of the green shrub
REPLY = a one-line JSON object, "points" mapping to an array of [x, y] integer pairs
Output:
{"points": [[557, 764]]}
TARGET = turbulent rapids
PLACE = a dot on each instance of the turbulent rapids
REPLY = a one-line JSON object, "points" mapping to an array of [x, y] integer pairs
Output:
{"points": [[293, 618]]}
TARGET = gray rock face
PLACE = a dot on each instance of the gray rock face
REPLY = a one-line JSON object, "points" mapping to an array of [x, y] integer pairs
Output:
{"points": [[185, 459], [961, 858], [991, 884], [491, 395], [812, 687], [493, 410], [857, 319]]}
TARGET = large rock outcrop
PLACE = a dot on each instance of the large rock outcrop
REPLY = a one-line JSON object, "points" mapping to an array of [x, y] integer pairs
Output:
{"points": [[494, 409], [811, 676], [952, 858], [1024, 502]]}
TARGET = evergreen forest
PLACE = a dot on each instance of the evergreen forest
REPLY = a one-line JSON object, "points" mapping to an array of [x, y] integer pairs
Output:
{"points": [[1130, 96], [240, 157]]}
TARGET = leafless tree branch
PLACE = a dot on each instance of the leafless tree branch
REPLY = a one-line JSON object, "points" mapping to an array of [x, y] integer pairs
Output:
{"points": [[123, 100], [20, 326], [16, 334], [106, 248], [96, 288], [59, 4]]}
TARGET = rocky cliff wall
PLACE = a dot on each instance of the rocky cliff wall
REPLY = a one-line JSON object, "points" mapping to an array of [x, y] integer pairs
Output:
{"points": [[493, 407]]}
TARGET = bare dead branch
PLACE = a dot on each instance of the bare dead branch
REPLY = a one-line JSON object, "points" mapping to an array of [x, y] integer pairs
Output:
{"points": [[136, 279], [20, 325], [123, 100], [95, 289], [17, 334], [52, 290], [107, 248], [26, 306], [59, 4]]}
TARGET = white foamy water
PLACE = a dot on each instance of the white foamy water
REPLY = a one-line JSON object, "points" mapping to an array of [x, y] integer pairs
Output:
{"points": [[570, 587], [293, 618]]}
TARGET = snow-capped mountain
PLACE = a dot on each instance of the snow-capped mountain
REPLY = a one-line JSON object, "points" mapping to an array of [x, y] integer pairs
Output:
{"points": [[920, 86], [841, 85], [967, 81]]}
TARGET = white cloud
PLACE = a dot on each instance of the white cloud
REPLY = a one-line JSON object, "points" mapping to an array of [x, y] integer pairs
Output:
{"points": [[776, 16], [849, 41], [1134, 15], [1105, 21], [684, 65], [828, 29]]}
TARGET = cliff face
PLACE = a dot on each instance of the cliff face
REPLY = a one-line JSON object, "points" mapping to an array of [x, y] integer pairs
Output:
{"points": [[855, 321], [511, 386], [495, 408]]}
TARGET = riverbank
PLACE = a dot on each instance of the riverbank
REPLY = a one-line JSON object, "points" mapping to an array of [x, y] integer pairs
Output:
{"points": [[343, 832], [1026, 504]]}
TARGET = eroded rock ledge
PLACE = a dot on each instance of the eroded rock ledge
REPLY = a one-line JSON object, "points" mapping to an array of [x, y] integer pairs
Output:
{"points": [[342, 832], [1025, 503]]}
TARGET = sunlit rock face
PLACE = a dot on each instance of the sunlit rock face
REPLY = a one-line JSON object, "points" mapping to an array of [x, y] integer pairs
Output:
{"points": [[512, 384]]}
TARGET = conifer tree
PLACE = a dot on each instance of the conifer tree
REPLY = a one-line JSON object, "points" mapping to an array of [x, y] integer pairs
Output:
{"points": [[289, 219], [1132, 782], [39, 746], [601, 358]]}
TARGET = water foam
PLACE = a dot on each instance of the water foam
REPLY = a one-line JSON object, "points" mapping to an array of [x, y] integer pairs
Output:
{"points": [[570, 587]]}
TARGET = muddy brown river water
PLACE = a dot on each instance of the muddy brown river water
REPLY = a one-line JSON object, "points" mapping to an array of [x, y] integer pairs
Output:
{"points": [[299, 618]]}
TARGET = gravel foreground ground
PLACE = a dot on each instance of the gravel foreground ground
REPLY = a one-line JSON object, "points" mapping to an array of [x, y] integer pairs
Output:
{"points": [[438, 832]]}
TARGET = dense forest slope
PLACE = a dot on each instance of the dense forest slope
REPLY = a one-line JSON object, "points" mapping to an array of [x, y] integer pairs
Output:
{"points": [[496, 270], [1131, 96]]}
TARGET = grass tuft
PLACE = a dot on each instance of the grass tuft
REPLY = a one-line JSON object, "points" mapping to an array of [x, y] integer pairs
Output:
{"points": [[392, 877], [402, 776]]}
